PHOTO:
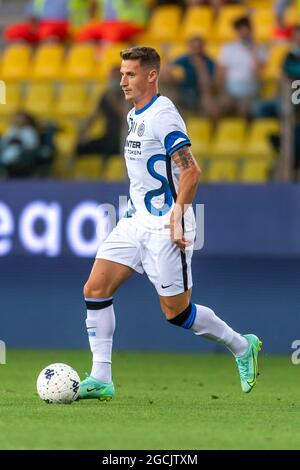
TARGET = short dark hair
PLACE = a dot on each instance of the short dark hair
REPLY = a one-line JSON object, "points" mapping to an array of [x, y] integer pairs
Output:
{"points": [[241, 22], [147, 56]]}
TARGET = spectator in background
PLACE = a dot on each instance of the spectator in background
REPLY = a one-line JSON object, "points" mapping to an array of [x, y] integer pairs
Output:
{"points": [[111, 107], [120, 20], [51, 19], [240, 64], [193, 74], [291, 63], [19, 146], [291, 71]]}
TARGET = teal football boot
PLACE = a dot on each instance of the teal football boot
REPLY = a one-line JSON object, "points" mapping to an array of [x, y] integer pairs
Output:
{"points": [[92, 388], [247, 364]]}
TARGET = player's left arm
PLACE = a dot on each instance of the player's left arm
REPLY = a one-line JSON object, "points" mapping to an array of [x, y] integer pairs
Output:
{"points": [[188, 183]]}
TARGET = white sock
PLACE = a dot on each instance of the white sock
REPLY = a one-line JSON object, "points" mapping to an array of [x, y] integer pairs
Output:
{"points": [[210, 326], [100, 327]]}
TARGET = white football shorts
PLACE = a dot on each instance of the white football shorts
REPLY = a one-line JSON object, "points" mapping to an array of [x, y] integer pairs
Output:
{"points": [[167, 267]]}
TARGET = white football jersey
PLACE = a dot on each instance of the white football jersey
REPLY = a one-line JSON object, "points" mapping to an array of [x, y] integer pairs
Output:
{"points": [[156, 131]]}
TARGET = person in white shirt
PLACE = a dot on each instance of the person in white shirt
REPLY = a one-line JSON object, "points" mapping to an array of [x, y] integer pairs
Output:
{"points": [[240, 64], [158, 232]]}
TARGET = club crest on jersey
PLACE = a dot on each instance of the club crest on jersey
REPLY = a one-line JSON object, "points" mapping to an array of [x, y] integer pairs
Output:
{"points": [[141, 129]]}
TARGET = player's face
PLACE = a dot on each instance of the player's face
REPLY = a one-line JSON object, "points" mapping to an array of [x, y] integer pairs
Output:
{"points": [[134, 80]]}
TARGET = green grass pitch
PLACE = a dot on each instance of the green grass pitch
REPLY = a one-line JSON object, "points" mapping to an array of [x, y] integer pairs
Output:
{"points": [[164, 401]]}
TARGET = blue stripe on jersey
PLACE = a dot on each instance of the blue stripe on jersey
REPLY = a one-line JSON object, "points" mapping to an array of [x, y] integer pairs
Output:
{"points": [[171, 138], [164, 189], [139, 111], [174, 194], [178, 146]]}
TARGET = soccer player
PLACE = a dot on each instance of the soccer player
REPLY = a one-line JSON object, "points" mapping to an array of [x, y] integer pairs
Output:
{"points": [[157, 234]]}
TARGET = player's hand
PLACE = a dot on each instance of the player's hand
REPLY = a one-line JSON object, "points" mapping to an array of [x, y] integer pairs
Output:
{"points": [[177, 235]]}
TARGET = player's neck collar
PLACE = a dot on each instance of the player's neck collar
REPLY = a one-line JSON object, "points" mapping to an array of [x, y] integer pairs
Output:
{"points": [[139, 111]]}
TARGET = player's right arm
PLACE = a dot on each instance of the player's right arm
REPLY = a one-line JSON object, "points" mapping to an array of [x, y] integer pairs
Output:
{"points": [[169, 129], [190, 173]]}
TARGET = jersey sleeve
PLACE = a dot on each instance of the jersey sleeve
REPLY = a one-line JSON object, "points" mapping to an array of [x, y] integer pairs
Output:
{"points": [[169, 128]]}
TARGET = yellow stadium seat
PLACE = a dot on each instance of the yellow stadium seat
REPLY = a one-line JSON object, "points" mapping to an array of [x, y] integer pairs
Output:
{"points": [[15, 62], [97, 130], [4, 125], [39, 99], [13, 98], [65, 140], [197, 22], [65, 125], [73, 101], [48, 61], [213, 50], [272, 70], [260, 3], [88, 168], [62, 167], [263, 21], [224, 30], [255, 172], [199, 131], [108, 58], [269, 89], [65, 144], [257, 144], [176, 50], [222, 171], [115, 170], [229, 138], [80, 62], [164, 24], [292, 15]]}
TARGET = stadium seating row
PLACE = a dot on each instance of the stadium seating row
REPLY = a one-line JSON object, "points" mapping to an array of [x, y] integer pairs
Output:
{"points": [[232, 139], [51, 62], [167, 23], [73, 99], [231, 153], [90, 168]]}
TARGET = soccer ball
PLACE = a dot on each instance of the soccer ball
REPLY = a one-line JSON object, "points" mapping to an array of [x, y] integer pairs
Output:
{"points": [[58, 383]]}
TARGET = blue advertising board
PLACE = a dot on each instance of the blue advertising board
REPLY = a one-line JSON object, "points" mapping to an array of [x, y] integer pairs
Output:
{"points": [[248, 269]]}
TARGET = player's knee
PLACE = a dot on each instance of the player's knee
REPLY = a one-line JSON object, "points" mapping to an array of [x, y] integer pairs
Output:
{"points": [[172, 308], [98, 291], [185, 319], [169, 311]]}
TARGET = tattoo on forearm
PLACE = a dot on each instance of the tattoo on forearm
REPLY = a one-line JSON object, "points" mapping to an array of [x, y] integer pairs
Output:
{"points": [[184, 158]]}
